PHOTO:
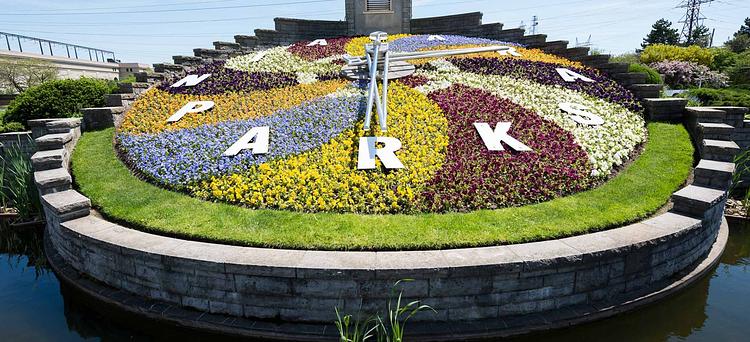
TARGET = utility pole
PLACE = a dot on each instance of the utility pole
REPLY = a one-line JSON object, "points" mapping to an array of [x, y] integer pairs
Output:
{"points": [[534, 24], [692, 18]]}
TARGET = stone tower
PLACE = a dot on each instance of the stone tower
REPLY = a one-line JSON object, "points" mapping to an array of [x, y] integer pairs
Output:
{"points": [[366, 16]]}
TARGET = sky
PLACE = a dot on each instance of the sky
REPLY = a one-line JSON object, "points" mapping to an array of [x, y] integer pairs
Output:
{"points": [[153, 31]]}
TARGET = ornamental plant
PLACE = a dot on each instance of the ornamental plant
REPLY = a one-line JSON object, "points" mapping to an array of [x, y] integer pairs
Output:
{"points": [[660, 52], [679, 74]]}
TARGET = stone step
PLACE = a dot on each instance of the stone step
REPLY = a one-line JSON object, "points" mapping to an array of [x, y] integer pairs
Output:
{"points": [[232, 46], [614, 68], [53, 141], [67, 205], [555, 46], [213, 54], [149, 77], [48, 160], [664, 109], [629, 78], [714, 131], [720, 150], [595, 60], [714, 174], [187, 60], [62, 125], [119, 100], [644, 91], [132, 88], [511, 35], [534, 40], [735, 116], [694, 200], [53, 180], [246, 41], [704, 114], [575, 53], [169, 67], [100, 118]]}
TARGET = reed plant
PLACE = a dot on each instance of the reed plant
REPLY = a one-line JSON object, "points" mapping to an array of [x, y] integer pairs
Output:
{"points": [[19, 190], [390, 329]]}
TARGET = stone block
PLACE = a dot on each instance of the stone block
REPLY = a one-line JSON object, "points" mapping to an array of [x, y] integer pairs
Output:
{"points": [[48, 160], [54, 180], [67, 205], [53, 141], [720, 150], [715, 131], [254, 285], [695, 200], [714, 174]]}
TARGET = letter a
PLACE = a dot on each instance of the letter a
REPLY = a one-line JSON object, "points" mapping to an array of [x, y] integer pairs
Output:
{"points": [[321, 42], [191, 107], [493, 139], [571, 76], [368, 151], [259, 146], [190, 80]]}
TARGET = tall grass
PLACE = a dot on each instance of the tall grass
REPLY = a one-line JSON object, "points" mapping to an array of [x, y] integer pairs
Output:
{"points": [[391, 329], [739, 186], [18, 188]]}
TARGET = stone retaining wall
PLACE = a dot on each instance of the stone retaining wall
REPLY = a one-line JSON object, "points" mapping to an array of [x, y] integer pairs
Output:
{"points": [[480, 291], [14, 140]]}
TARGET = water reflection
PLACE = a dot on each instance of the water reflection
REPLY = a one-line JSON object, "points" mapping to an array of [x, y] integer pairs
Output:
{"points": [[35, 307]]}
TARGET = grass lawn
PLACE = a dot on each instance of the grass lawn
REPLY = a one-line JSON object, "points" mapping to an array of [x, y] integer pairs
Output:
{"points": [[637, 192]]}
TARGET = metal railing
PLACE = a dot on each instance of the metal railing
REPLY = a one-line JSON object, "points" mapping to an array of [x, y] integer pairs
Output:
{"points": [[71, 50]]}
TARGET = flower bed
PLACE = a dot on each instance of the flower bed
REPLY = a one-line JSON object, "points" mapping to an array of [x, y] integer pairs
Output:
{"points": [[316, 119]]}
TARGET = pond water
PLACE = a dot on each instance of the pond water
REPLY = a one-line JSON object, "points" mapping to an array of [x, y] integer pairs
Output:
{"points": [[35, 307]]}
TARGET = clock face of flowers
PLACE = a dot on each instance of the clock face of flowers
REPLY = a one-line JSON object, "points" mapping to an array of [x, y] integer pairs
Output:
{"points": [[282, 129]]}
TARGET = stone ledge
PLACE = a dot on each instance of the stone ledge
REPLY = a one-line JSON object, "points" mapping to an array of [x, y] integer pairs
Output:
{"points": [[247, 328], [695, 200], [53, 141], [47, 160], [67, 205], [54, 180]]}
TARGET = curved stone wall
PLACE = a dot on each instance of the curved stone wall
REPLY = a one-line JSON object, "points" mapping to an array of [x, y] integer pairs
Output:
{"points": [[480, 291]]}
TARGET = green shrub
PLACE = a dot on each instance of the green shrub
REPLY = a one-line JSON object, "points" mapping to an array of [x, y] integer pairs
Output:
{"points": [[11, 127], [660, 52], [723, 59], [652, 76], [722, 97], [630, 58], [739, 73], [58, 99]]}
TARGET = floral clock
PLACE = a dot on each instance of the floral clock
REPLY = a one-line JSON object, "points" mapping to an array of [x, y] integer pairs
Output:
{"points": [[283, 129]]}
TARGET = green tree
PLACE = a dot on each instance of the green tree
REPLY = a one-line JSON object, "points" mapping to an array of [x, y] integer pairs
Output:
{"points": [[661, 33], [700, 36], [741, 39], [18, 74]]}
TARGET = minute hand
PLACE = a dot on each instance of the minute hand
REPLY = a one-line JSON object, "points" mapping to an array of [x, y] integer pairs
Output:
{"points": [[405, 56]]}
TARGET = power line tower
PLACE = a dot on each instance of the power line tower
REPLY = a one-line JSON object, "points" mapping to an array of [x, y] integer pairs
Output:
{"points": [[534, 24], [584, 43], [692, 18]]}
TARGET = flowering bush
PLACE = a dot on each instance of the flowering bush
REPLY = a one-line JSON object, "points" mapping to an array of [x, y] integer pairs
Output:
{"points": [[316, 122], [661, 52], [680, 74]]}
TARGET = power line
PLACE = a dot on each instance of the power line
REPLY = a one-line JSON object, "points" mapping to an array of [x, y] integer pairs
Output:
{"points": [[174, 9]]}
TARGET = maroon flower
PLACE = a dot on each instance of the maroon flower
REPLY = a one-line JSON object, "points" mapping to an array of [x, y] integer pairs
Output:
{"points": [[473, 177]]}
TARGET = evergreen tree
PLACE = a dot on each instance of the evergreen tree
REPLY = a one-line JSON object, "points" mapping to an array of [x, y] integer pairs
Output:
{"points": [[744, 29], [741, 40], [701, 36], [661, 33]]}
